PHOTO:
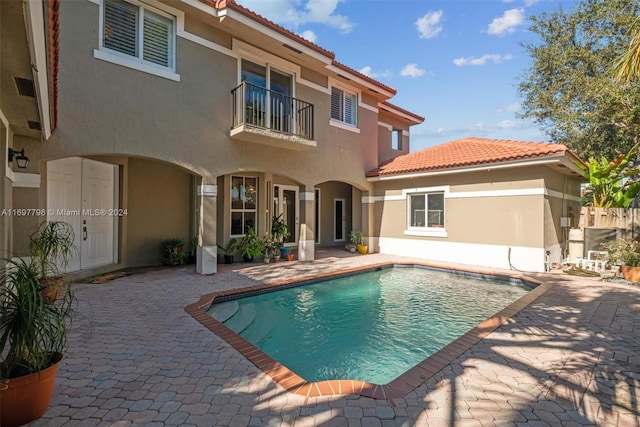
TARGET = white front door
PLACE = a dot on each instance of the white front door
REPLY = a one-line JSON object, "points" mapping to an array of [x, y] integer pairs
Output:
{"points": [[97, 208], [82, 193], [286, 203]]}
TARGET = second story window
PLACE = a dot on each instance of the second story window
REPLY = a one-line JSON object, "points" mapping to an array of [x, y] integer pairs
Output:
{"points": [[135, 30], [343, 106], [396, 139]]}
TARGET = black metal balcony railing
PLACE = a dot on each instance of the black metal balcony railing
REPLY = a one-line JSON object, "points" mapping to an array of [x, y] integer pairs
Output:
{"points": [[256, 106]]}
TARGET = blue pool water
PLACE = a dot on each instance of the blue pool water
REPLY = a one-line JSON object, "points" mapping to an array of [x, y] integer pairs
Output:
{"points": [[372, 326]]}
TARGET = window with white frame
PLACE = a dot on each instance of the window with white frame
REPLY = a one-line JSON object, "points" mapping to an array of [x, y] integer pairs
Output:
{"points": [[138, 31], [396, 139], [344, 106], [244, 204], [425, 210]]}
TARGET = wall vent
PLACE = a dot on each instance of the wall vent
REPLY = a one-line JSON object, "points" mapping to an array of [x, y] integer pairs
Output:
{"points": [[34, 125], [25, 87]]}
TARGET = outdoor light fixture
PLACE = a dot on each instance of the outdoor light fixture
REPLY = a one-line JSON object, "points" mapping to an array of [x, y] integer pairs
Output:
{"points": [[21, 160]]}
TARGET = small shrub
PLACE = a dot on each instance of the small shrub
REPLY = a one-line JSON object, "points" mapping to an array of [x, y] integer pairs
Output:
{"points": [[172, 251], [625, 251]]}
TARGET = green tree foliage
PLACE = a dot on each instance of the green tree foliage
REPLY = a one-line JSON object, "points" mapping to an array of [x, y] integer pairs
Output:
{"points": [[627, 67], [612, 183], [570, 89]]}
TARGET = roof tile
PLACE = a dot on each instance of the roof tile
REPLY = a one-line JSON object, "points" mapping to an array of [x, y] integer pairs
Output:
{"points": [[467, 152]]}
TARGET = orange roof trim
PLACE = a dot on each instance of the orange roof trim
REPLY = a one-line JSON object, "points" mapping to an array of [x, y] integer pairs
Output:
{"points": [[468, 152], [391, 106]]}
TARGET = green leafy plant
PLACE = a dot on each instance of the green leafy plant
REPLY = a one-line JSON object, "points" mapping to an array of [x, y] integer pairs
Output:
{"points": [[172, 251], [279, 230], [356, 237], [251, 245], [52, 245], [612, 183], [33, 332], [625, 251], [270, 246], [229, 248]]}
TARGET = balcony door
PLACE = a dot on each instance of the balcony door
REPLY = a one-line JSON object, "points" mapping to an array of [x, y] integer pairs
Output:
{"points": [[285, 203], [267, 96]]}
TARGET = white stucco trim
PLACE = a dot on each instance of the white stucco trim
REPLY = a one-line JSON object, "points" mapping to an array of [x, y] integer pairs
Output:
{"points": [[405, 133], [34, 17], [306, 250], [494, 256], [206, 259], [308, 195], [207, 190], [474, 194], [386, 125], [312, 85], [426, 233], [204, 42], [366, 106], [559, 195], [26, 180], [438, 188], [343, 125], [8, 172], [136, 65]]}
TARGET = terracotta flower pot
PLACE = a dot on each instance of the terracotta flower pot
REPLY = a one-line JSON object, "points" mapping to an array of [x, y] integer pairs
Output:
{"points": [[289, 256], [631, 274], [50, 288], [27, 398]]}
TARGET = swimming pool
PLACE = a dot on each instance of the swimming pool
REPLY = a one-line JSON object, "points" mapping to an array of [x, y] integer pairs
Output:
{"points": [[371, 326]]}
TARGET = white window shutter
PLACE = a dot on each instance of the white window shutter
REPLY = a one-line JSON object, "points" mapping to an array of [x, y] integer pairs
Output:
{"points": [[157, 39], [120, 23], [336, 104]]}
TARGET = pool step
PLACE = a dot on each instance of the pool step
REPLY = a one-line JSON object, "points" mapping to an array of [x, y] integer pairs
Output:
{"points": [[224, 311], [245, 315], [257, 331]]}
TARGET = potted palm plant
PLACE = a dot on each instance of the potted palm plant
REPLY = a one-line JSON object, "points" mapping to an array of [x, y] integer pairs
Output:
{"points": [[359, 241], [279, 232], [52, 246], [228, 249], [33, 338]]}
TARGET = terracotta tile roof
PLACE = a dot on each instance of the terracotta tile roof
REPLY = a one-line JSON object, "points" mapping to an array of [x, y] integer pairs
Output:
{"points": [[467, 152], [53, 25]]}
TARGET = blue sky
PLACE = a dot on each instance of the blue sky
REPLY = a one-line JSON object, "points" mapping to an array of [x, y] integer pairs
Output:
{"points": [[457, 63]]}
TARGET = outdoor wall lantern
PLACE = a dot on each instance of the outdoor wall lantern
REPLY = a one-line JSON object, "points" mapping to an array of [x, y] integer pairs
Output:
{"points": [[21, 160]]}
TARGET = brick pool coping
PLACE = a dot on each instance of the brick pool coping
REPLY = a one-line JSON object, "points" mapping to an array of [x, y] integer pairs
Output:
{"points": [[397, 388]]}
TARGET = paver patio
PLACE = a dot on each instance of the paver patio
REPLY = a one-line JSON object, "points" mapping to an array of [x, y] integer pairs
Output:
{"points": [[136, 357]]}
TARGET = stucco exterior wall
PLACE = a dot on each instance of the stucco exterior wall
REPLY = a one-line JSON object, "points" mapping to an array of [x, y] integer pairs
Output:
{"points": [[500, 218], [159, 207]]}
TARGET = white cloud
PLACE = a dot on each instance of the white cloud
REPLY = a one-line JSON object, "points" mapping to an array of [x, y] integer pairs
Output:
{"points": [[511, 108], [495, 58], [429, 25], [368, 71], [529, 3], [300, 12], [309, 35], [412, 70], [507, 23]]}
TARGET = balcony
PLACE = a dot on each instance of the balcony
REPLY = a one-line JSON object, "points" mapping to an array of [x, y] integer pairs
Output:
{"points": [[266, 117]]}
